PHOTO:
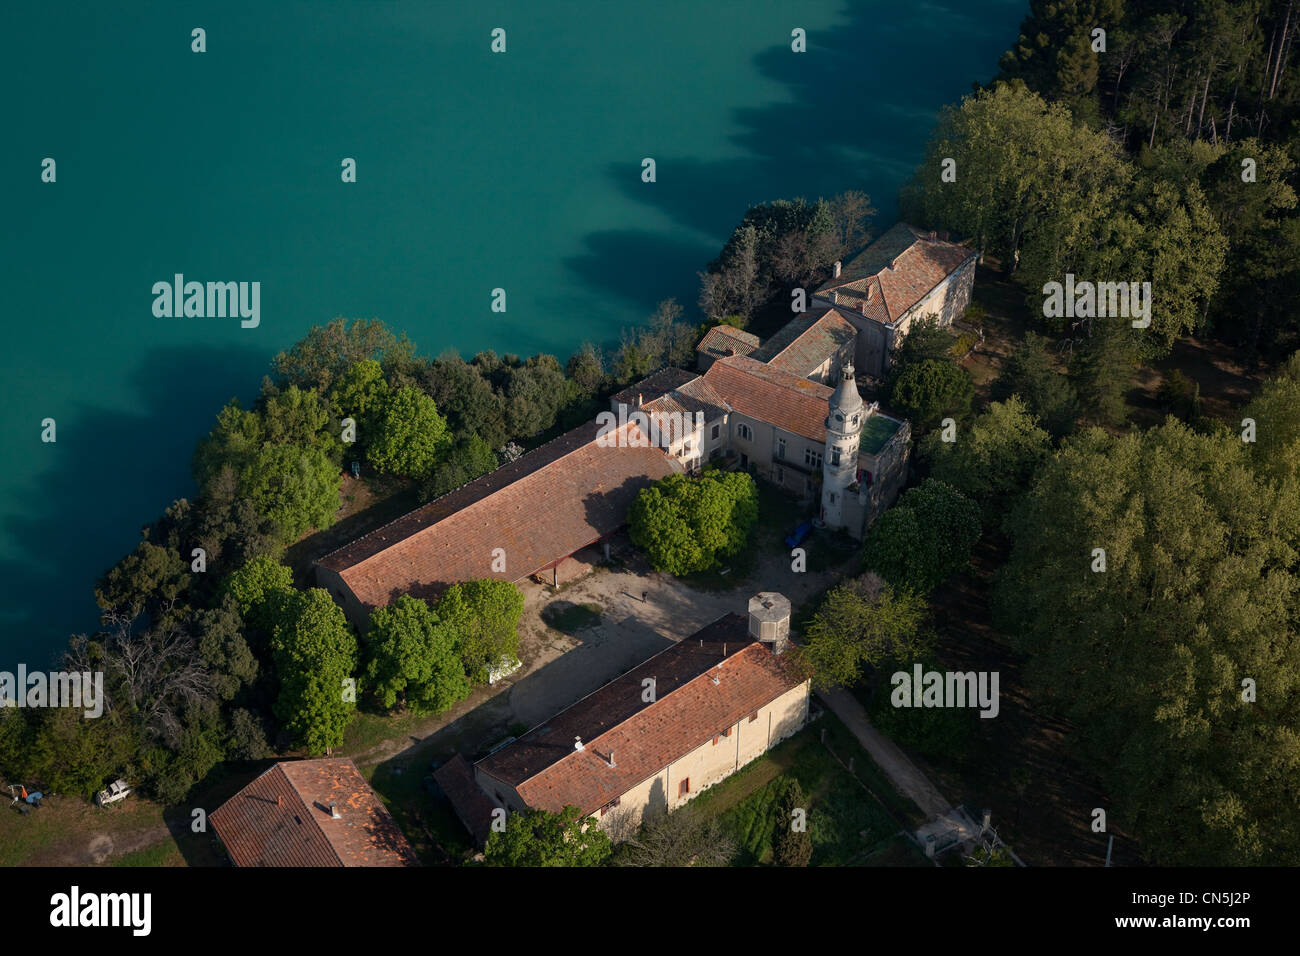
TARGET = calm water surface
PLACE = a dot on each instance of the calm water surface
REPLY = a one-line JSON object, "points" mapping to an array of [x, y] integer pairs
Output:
{"points": [[474, 171]]}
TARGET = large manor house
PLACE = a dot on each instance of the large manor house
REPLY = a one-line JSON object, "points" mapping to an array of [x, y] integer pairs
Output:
{"points": [[789, 410]]}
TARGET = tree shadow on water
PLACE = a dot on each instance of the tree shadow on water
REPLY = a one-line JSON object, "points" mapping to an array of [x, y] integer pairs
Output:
{"points": [[860, 105], [106, 469]]}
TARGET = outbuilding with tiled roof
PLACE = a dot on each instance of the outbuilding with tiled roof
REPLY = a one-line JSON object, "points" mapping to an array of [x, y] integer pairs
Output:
{"points": [[905, 274], [310, 813], [721, 341], [813, 345], [523, 517], [669, 728]]}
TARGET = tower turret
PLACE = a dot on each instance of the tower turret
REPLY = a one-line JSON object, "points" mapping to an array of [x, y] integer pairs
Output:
{"points": [[843, 432]]}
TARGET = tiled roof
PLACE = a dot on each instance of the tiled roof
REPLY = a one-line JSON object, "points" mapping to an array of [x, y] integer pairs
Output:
{"points": [[702, 392], [283, 819], [651, 387], [549, 773], [456, 778], [772, 395], [807, 341], [694, 396], [895, 272], [726, 340], [540, 508]]}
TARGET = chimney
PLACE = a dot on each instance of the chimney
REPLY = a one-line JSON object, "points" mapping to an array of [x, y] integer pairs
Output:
{"points": [[279, 800], [835, 296], [639, 403], [769, 620], [577, 744], [835, 270], [610, 759], [334, 811]]}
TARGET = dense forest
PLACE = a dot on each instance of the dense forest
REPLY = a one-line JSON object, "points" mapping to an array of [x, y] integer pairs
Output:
{"points": [[1148, 577], [1152, 575]]}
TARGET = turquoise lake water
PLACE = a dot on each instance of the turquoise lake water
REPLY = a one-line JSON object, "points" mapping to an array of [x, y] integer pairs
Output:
{"points": [[475, 171]]}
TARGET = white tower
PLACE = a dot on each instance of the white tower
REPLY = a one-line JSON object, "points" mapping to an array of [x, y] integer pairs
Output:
{"points": [[843, 431]]}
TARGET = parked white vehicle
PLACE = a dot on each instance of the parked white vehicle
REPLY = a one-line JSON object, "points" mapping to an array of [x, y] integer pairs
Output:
{"points": [[117, 790]]}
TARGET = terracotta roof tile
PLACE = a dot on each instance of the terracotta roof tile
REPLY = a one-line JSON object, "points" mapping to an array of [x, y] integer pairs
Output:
{"points": [[651, 387], [722, 340], [539, 509], [282, 818], [694, 396], [549, 773], [895, 272], [772, 395], [807, 341], [456, 778]]}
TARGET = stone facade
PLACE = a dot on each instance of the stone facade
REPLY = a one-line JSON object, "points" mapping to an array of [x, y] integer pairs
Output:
{"points": [[710, 763], [877, 340]]}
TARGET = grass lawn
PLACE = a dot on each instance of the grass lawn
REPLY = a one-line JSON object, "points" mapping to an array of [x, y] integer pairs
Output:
{"points": [[26, 836], [847, 823], [367, 730], [430, 824], [160, 854]]}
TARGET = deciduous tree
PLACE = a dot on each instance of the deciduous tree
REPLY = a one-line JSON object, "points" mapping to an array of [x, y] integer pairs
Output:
{"points": [[687, 524], [413, 658], [540, 838]]}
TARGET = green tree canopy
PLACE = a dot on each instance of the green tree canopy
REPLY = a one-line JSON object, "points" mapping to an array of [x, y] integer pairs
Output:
{"points": [[540, 838], [1102, 368], [792, 846], [413, 657], [235, 440], [586, 369], [993, 459], [314, 651], [925, 537], [862, 622], [1029, 183], [1031, 374], [145, 580], [360, 394], [687, 524], [484, 616], [468, 459], [409, 436], [295, 416], [1276, 414], [1154, 657], [535, 393], [931, 390], [328, 351], [224, 649], [255, 589], [296, 487], [468, 400]]}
